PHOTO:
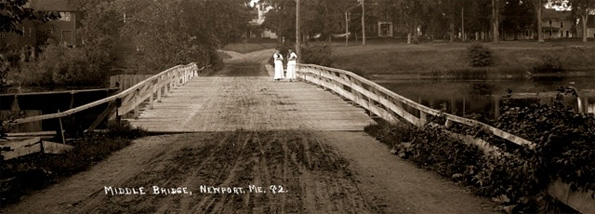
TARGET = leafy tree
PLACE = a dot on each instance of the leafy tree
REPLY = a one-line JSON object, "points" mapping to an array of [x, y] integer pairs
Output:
{"points": [[581, 9], [13, 12], [478, 17], [167, 33], [326, 17], [517, 15]]}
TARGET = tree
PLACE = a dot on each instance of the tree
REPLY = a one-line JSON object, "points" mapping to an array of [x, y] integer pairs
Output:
{"points": [[495, 20], [168, 33], [538, 5], [478, 17], [517, 15], [13, 12], [581, 9]]}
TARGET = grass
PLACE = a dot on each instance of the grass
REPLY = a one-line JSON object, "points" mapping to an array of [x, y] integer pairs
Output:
{"points": [[26, 174], [251, 45], [399, 58]]}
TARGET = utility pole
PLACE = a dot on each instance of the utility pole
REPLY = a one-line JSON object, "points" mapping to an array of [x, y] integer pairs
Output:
{"points": [[297, 30], [363, 24], [346, 28], [463, 23]]}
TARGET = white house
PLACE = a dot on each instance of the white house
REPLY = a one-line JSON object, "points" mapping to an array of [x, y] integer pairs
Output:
{"points": [[256, 30]]}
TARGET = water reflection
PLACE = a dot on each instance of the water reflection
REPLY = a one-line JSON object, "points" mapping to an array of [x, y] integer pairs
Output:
{"points": [[482, 98]]}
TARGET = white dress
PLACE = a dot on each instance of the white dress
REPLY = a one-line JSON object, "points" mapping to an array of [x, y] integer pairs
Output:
{"points": [[291, 62], [278, 66]]}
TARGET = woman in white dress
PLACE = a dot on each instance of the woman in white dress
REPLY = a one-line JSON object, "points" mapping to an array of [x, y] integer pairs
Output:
{"points": [[291, 62], [278, 58]]}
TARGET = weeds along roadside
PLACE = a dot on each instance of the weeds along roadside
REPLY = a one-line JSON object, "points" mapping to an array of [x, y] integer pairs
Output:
{"points": [[518, 178], [24, 175]]}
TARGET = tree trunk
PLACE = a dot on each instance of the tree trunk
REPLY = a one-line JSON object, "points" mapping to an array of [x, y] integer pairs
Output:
{"points": [[409, 37], [495, 20], [452, 29], [584, 21], [539, 22]]}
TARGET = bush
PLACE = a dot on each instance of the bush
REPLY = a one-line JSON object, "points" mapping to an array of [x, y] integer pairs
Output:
{"points": [[480, 55], [60, 65], [549, 63], [565, 149], [318, 54]]}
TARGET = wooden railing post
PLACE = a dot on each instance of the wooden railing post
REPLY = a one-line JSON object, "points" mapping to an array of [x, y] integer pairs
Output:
{"points": [[118, 105], [159, 92], [152, 92], [422, 118], [136, 103]]}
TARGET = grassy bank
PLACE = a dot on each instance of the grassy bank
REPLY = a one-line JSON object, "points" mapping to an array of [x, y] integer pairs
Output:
{"points": [[26, 174], [427, 58]]}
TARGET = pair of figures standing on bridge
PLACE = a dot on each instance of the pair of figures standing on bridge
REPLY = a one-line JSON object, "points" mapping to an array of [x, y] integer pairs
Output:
{"points": [[291, 63]]}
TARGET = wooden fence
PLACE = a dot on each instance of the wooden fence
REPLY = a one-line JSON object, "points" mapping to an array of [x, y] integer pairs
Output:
{"points": [[150, 89], [392, 107], [125, 81]]}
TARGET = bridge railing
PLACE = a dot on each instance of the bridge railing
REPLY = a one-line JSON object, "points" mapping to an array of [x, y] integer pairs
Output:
{"points": [[390, 106], [385, 103], [130, 99]]}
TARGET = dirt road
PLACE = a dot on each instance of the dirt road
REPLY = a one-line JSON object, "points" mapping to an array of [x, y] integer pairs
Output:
{"points": [[247, 171]]}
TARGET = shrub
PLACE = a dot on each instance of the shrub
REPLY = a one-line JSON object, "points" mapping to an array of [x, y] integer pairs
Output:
{"points": [[549, 63], [59, 65], [124, 130], [318, 54], [480, 55], [565, 149]]}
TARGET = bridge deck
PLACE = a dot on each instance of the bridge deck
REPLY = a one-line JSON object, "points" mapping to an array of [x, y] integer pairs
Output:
{"points": [[250, 103]]}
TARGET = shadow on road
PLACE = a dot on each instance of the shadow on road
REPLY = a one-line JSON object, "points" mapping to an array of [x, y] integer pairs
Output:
{"points": [[242, 69]]}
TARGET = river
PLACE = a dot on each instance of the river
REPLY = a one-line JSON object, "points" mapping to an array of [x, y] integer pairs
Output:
{"points": [[482, 97]]}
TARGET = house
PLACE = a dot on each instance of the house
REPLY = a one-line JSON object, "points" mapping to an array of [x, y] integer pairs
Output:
{"points": [[590, 27], [255, 29], [557, 24], [62, 29]]}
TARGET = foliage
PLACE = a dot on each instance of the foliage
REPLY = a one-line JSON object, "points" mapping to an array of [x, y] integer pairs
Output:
{"points": [[317, 54], [518, 178], [517, 15], [549, 63], [480, 55], [323, 17], [22, 175], [168, 33], [565, 139], [59, 65], [14, 12]]}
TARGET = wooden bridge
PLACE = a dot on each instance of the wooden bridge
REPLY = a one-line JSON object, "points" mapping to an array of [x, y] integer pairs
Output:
{"points": [[179, 100]]}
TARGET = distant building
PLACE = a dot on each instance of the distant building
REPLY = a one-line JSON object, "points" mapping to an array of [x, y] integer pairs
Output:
{"points": [[62, 29], [557, 24], [590, 27], [256, 30]]}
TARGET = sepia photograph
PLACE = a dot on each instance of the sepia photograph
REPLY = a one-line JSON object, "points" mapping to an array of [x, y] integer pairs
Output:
{"points": [[297, 106]]}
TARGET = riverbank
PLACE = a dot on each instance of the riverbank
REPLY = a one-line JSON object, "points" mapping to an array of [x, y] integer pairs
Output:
{"points": [[430, 59]]}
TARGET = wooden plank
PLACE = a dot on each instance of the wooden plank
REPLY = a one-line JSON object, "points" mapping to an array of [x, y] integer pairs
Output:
{"points": [[581, 200], [30, 127], [21, 148], [327, 75], [99, 102], [110, 108], [55, 148]]}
